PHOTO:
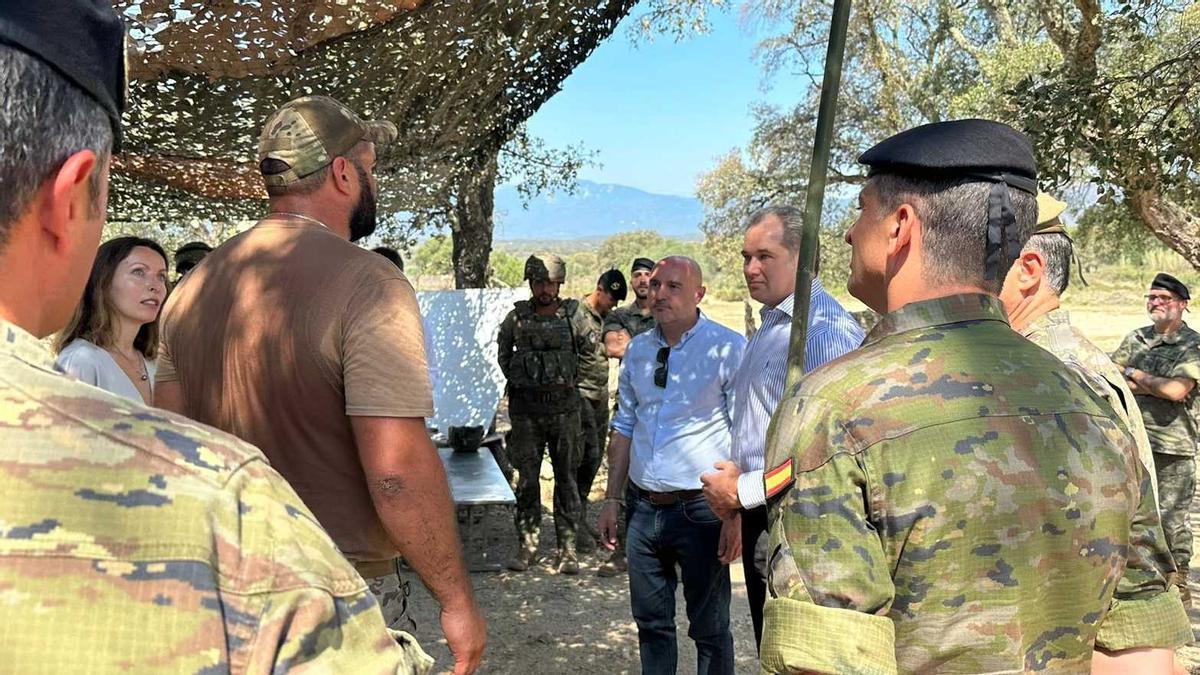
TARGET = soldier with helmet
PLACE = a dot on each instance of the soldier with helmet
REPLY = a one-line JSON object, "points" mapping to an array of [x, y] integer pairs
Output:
{"points": [[541, 343]]}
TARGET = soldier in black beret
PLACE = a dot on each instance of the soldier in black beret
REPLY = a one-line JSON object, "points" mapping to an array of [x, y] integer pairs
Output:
{"points": [[188, 256], [949, 462]]}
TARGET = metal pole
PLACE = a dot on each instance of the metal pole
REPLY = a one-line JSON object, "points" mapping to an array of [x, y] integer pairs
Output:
{"points": [[816, 191]]}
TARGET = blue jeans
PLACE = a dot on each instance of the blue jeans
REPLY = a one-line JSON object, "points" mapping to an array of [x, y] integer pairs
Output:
{"points": [[658, 538]]}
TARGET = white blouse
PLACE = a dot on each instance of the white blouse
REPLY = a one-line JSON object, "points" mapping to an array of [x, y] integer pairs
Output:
{"points": [[95, 366]]}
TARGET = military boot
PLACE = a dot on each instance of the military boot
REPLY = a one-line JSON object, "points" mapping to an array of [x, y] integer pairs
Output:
{"points": [[567, 562], [524, 558]]}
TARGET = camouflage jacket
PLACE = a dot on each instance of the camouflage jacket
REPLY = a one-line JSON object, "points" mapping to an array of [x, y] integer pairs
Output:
{"points": [[1170, 425], [1054, 333], [593, 364], [629, 319], [133, 540], [952, 498]]}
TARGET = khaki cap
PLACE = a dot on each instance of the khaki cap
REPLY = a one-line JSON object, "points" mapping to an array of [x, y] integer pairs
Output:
{"points": [[545, 266], [1049, 209], [309, 132]]}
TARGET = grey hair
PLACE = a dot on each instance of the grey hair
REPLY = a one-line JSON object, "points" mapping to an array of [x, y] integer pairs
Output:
{"points": [[1057, 250], [44, 119], [954, 215], [792, 219]]}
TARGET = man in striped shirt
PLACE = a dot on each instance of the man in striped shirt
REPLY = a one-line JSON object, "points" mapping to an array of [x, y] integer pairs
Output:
{"points": [[769, 258]]}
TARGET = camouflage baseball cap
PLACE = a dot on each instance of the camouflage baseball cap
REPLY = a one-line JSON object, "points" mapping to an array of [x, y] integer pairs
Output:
{"points": [[309, 132], [545, 266]]}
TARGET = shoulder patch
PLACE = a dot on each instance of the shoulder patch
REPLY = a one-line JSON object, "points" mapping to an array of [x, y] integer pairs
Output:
{"points": [[780, 478]]}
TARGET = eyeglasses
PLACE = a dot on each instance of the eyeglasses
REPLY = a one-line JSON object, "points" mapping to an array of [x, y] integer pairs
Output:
{"points": [[660, 373], [1159, 299]]}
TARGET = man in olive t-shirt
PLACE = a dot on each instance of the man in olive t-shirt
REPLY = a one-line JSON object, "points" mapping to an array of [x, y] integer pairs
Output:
{"points": [[296, 340]]}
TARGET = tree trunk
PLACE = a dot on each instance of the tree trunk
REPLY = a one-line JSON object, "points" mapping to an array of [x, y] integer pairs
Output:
{"points": [[1170, 222], [471, 231]]}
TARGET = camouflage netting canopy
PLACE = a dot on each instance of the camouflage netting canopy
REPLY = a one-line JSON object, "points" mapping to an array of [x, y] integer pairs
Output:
{"points": [[458, 77]]}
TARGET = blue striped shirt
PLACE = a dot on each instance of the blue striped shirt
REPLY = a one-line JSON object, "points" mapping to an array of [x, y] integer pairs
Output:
{"points": [[758, 384]]}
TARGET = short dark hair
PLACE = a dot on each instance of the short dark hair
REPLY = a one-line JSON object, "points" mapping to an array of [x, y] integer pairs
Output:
{"points": [[1057, 249], [93, 319], [390, 254], [792, 219], [44, 119], [305, 186], [955, 215]]}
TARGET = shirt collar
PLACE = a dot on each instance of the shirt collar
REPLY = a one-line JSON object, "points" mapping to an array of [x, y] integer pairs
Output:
{"points": [[1055, 317], [701, 319], [20, 344], [788, 304], [1152, 337], [936, 312]]}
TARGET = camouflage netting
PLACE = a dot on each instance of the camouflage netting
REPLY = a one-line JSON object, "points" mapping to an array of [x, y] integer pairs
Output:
{"points": [[456, 76]]}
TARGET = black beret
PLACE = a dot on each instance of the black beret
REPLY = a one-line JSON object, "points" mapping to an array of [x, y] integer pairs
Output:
{"points": [[613, 282], [84, 40], [1166, 282], [641, 264], [193, 246], [966, 148]]}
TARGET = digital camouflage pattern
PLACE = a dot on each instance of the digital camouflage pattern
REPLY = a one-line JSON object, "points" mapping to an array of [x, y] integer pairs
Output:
{"points": [[629, 319], [136, 540], [1054, 333], [593, 361], [962, 503], [532, 437], [1169, 424]]}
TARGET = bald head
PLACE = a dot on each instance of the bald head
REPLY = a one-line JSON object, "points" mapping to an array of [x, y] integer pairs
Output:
{"points": [[676, 288]]}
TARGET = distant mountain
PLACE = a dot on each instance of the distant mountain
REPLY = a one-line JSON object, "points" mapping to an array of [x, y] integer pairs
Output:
{"points": [[595, 211]]}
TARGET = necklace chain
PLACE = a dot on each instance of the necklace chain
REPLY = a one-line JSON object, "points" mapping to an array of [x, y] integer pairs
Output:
{"points": [[299, 215], [140, 369]]}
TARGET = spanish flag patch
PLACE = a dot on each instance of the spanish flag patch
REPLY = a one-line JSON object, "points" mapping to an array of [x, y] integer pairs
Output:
{"points": [[778, 479]]}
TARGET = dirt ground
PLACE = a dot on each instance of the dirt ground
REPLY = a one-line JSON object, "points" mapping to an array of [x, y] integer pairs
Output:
{"points": [[541, 622]]}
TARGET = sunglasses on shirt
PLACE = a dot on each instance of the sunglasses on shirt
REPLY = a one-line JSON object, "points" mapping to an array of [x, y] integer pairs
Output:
{"points": [[660, 373]]}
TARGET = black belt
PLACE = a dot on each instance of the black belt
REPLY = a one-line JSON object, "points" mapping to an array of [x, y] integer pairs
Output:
{"points": [[666, 498]]}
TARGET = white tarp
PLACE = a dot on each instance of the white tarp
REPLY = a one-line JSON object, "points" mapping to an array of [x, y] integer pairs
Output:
{"points": [[460, 340]]}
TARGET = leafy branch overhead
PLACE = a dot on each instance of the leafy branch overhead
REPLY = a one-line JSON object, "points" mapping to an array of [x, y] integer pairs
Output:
{"points": [[1107, 91]]}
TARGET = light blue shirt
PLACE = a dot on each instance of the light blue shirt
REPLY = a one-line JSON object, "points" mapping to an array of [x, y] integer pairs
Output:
{"points": [[679, 431], [758, 386]]}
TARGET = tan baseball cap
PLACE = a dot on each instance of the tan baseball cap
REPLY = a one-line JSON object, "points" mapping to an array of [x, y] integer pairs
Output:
{"points": [[308, 132]]}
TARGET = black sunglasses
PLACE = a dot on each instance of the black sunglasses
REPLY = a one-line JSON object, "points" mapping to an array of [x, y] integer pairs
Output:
{"points": [[660, 373]]}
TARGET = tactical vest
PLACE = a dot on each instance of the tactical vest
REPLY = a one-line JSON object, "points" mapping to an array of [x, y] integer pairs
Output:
{"points": [[544, 355]]}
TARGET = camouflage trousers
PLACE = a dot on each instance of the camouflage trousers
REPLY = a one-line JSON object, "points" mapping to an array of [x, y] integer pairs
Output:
{"points": [[1176, 484], [528, 442], [593, 421], [392, 595]]}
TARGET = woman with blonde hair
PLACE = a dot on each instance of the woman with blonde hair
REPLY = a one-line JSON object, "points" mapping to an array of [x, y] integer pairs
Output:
{"points": [[112, 340]]}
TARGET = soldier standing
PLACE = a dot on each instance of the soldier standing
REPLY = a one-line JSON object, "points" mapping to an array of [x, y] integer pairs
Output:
{"points": [[1161, 364], [541, 342], [593, 390], [951, 497]]}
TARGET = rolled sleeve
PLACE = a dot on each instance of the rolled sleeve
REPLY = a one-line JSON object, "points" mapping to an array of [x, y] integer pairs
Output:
{"points": [[1159, 621], [850, 641], [626, 416]]}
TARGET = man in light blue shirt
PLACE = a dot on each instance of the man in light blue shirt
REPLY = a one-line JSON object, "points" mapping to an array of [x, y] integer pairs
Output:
{"points": [[770, 254], [672, 424]]}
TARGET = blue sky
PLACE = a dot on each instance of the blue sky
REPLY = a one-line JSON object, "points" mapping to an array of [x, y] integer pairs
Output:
{"points": [[660, 112]]}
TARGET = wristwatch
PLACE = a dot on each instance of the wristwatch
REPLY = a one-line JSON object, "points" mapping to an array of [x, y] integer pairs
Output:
{"points": [[1129, 372]]}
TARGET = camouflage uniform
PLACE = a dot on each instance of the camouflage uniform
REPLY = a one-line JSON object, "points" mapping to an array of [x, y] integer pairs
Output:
{"points": [[1170, 427], [628, 318], [137, 540], [952, 498], [540, 358], [593, 390], [1054, 333]]}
